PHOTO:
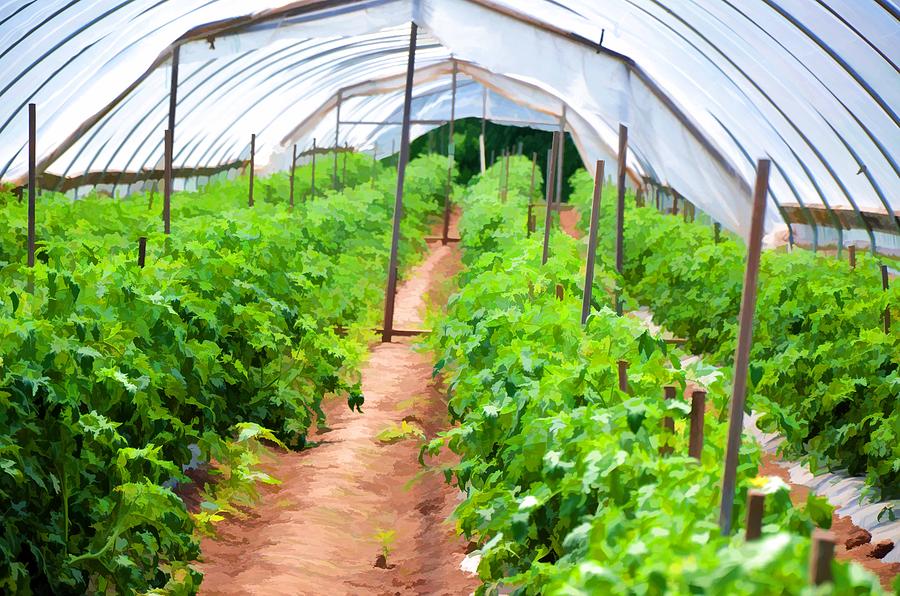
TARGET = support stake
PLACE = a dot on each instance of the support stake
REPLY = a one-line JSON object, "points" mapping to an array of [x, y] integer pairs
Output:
{"points": [[887, 309], [533, 172], [852, 255], [398, 203], [312, 176], [698, 411], [142, 251], [32, 183], [293, 168], [623, 375], [592, 244], [252, 165], [820, 556], [745, 341], [620, 207], [668, 423], [451, 155], [167, 196], [548, 206], [756, 504]]}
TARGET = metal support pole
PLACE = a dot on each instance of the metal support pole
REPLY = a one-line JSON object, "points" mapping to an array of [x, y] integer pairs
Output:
{"points": [[398, 203], [533, 169], [337, 133], [592, 244], [562, 155], [252, 165], [745, 341], [548, 206], [344, 166], [312, 176], [887, 308], [620, 203], [506, 176], [293, 167], [173, 95], [451, 155], [167, 195], [32, 180], [481, 139]]}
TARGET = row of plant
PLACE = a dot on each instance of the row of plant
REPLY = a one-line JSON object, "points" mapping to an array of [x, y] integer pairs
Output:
{"points": [[823, 373], [566, 488], [110, 373]]}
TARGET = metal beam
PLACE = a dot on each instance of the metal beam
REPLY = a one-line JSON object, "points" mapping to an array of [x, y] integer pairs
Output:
{"points": [[390, 294], [391, 123], [451, 154], [32, 180]]}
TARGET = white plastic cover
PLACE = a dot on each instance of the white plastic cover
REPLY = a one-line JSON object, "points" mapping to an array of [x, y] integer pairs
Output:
{"points": [[704, 86]]}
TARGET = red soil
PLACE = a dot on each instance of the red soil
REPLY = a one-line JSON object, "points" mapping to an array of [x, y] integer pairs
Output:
{"points": [[316, 532]]}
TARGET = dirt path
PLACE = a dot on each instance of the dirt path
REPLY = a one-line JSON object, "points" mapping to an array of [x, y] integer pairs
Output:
{"points": [[316, 532]]}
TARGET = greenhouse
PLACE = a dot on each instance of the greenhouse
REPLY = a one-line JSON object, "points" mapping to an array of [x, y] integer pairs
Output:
{"points": [[449, 297]]}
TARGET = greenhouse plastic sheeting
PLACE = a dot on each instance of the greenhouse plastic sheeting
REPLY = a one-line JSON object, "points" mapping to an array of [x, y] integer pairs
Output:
{"points": [[705, 86]]}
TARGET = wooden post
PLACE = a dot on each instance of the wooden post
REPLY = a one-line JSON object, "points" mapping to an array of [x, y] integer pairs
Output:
{"points": [[592, 244], [698, 411], [252, 165], [717, 231], [293, 167], [142, 251], [528, 221], [548, 206], [852, 253], [32, 182], [505, 192], [820, 556], [533, 172], [398, 203], [312, 175], [560, 292], [745, 341], [167, 196], [756, 504], [668, 423], [481, 139], [451, 156], [623, 375], [887, 309]]}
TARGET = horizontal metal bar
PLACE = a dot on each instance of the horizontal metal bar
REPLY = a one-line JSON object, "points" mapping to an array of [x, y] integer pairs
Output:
{"points": [[49, 180], [441, 239], [881, 222], [390, 123]]}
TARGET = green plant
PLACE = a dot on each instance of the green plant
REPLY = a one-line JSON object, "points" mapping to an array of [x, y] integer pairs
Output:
{"points": [[565, 487], [227, 337]]}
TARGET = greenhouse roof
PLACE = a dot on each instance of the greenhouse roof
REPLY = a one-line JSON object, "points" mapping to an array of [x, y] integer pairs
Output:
{"points": [[705, 86]]}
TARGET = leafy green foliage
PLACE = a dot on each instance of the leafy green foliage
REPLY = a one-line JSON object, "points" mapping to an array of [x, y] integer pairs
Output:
{"points": [[823, 372], [566, 490], [109, 372]]}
